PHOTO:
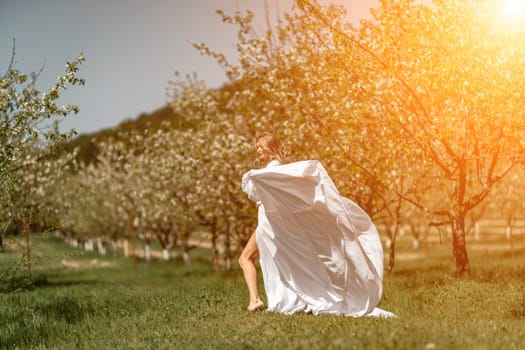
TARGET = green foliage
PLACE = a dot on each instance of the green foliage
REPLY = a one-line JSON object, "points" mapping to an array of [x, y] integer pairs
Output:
{"points": [[172, 306]]}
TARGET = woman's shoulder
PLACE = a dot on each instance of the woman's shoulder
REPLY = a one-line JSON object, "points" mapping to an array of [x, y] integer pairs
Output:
{"points": [[274, 162]]}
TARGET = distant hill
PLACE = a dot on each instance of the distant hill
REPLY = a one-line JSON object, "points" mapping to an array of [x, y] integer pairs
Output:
{"points": [[161, 118]]}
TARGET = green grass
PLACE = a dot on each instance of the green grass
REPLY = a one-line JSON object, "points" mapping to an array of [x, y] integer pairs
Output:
{"points": [[83, 301]]}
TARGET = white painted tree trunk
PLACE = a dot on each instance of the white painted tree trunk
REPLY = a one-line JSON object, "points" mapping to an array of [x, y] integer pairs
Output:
{"points": [[166, 254], [100, 246], [186, 258], [147, 252], [88, 246]]}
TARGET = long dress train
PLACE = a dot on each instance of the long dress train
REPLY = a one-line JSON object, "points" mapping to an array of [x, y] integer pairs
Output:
{"points": [[319, 251]]}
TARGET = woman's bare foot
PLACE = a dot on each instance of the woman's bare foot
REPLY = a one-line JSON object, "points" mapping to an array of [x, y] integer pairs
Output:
{"points": [[258, 305]]}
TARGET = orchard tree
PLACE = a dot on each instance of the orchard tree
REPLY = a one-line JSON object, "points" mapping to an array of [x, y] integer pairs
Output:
{"points": [[29, 126], [448, 81], [29, 137], [167, 209], [120, 178]]}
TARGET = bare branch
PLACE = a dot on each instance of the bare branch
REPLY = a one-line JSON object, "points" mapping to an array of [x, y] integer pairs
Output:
{"points": [[12, 61]]}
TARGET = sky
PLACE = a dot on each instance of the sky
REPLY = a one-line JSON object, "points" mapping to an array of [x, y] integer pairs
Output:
{"points": [[132, 48]]}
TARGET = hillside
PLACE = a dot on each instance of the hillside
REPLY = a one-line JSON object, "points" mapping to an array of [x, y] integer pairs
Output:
{"points": [[160, 118]]}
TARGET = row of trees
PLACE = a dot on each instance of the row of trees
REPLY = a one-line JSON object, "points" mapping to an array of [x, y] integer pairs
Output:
{"points": [[417, 114], [419, 106], [164, 185]]}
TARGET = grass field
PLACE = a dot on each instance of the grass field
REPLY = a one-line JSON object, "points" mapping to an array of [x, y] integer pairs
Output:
{"points": [[78, 300]]}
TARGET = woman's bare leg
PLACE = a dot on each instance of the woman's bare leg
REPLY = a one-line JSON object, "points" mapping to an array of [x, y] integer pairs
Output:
{"points": [[248, 256]]}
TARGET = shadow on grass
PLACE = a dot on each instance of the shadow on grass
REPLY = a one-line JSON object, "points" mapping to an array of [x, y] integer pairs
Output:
{"points": [[26, 283]]}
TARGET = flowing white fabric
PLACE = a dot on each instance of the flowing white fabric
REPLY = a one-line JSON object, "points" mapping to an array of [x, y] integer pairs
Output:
{"points": [[319, 251]]}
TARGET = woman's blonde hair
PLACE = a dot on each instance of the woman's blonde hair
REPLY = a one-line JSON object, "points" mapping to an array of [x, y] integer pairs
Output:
{"points": [[272, 145]]}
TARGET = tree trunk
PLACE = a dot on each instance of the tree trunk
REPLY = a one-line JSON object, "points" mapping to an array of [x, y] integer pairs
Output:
{"points": [[459, 246], [132, 238], [476, 231], [147, 251], [185, 252], [101, 247], [392, 249], [425, 237], [114, 246], [416, 233], [167, 240], [214, 248], [88, 245], [509, 231], [393, 236], [228, 251], [28, 244], [166, 253]]}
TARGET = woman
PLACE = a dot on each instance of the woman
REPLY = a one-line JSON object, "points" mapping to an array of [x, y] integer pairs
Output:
{"points": [[269, 153], [319, 252]]}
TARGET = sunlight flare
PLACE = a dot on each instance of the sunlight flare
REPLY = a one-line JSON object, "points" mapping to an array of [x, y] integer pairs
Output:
{"points": [[514, 9]]}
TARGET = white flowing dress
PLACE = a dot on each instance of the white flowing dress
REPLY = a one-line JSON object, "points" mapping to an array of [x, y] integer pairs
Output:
{"points": [[319, 251]]}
